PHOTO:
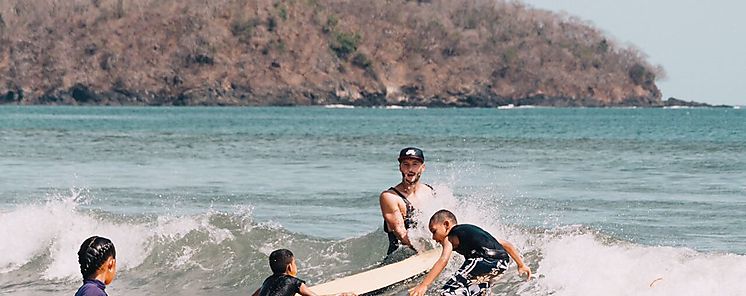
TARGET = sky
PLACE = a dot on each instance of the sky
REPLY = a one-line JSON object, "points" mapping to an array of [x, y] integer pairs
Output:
{"points": [[700, 44]]}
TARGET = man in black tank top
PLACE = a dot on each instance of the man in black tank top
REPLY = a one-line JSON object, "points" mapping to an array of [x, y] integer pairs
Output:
{"points": [[399, 214], [485, 257]]}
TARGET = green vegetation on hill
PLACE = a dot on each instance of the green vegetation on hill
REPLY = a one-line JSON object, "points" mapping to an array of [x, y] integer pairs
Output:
{"points": [[301, 52]]}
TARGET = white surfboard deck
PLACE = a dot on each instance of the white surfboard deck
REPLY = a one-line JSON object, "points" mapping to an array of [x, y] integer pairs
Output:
{"points": [[380, 278]]}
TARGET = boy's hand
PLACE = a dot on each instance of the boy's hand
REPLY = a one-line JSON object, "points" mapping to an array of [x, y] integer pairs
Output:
{"points": [[525, 269], [346, 294], [418, 291]]}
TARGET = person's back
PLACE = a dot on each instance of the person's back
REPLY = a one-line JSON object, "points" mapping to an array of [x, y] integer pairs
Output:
{"points": [[283, 282], [280, 285], [475, 242], [91, 288]]}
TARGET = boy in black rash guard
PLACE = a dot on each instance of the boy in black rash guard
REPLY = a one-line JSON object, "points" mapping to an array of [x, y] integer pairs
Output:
{"points": [[486, 257], [283, 282]]}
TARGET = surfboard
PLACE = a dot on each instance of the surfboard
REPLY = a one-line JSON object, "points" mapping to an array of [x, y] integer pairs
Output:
{"points": [[380, 278]]}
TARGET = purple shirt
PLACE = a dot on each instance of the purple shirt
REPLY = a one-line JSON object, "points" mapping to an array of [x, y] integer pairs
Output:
{"points": [[91, 288]]}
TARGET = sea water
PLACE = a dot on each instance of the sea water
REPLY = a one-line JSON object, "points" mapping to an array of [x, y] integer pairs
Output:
{"points": [[599, 201]]}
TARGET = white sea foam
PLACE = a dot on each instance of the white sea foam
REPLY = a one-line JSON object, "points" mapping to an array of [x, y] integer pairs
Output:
{"points": [[573, 260], [568, 260], [339, 106], [583, 265], [56, 228]]}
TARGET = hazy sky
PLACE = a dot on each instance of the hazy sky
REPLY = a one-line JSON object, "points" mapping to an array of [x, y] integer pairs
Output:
{"points": [[701, 44]]}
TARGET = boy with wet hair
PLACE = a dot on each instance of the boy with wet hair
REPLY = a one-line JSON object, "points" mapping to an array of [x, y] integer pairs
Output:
{"points": [[485, 257], [98, 264], [283, 282]]}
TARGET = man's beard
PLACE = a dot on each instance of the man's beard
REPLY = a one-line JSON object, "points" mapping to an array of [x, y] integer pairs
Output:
{"points": [[416, 179]]}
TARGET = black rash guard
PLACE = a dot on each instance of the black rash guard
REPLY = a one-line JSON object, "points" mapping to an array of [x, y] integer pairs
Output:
{"points": [[280, 285], [475, 242]]}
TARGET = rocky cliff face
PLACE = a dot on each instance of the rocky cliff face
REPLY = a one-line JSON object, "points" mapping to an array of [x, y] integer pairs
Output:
{"points": [[306, 52]]}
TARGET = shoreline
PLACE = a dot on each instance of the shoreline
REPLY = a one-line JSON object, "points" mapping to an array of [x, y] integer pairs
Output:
{"points": [[83, 96]]}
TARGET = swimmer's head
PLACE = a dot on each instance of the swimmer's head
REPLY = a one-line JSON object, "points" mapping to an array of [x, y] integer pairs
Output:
{"points": [[97, 257], [411, 164], [441, 223], [282, 261], [411, 153]]}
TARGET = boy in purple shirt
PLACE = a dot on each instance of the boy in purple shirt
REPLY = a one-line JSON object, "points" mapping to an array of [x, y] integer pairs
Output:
{"points": [[98, 264]]}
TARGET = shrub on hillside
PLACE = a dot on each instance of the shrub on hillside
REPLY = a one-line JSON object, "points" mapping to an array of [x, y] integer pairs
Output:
{"points": [[343, 44], [331, 24], [243, 29], [640, 75], [361, 60]]}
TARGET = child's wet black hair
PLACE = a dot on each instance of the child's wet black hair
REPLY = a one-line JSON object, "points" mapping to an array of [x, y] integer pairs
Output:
{"points": [[279, 260], [443, 215], [93, 253]]}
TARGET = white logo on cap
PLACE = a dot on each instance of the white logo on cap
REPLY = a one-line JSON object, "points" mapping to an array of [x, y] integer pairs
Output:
{"points": [[411, 152]]}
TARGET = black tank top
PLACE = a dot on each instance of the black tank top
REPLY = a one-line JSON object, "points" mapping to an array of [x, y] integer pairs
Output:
{"points": [[409, 221], [475, 242]]}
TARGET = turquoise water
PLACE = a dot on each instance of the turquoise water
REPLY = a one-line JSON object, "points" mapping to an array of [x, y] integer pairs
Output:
{"points": [[190, 193]]}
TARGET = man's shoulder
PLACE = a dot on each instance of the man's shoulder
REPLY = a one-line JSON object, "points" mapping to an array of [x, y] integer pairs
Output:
{"points": [[427, 188], [388, 197], [389, 193]]}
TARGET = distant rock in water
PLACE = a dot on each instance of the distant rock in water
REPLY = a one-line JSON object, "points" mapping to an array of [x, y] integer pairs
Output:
{"points": [[439, 53], [674, 102]]}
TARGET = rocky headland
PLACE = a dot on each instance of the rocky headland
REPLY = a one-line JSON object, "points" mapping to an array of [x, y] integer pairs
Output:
{"points": [[463, 53], [674, 102]]}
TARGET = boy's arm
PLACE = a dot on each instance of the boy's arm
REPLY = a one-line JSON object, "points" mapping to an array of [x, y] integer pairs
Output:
{"points": [[256, 293], [393, 218], [305, 291], [434, 272], [522, 268]]}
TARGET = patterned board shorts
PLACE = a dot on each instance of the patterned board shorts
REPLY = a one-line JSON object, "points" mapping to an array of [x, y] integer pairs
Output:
{"points": [[473, 277]]}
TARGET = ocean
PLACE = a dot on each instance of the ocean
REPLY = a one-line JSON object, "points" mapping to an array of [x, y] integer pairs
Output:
{"points": [[599, 201]]}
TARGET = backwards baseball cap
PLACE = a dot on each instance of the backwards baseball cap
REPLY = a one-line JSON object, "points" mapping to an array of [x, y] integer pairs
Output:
{"points": [[411, 152]]}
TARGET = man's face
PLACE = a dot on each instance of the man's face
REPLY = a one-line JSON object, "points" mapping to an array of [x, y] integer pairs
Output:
{"points": [[411, 170]]}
